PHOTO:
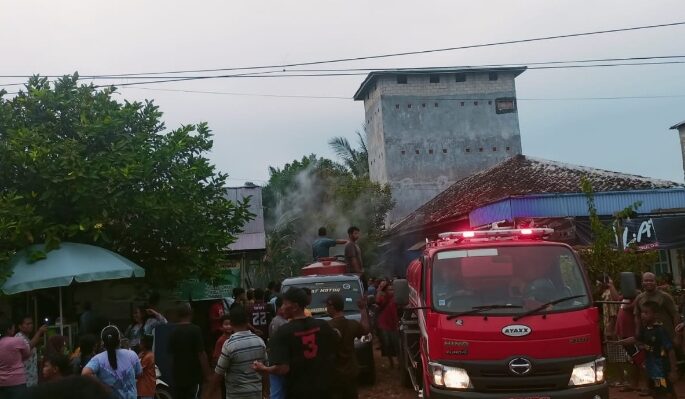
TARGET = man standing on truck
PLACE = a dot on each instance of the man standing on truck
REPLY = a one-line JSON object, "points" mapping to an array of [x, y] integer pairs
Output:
{"points": [[322, 245], [303, 350], [353, 254], [346, 367]]}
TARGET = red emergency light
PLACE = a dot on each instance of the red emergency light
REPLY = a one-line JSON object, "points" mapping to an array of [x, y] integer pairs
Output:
{"points": [[498, 233]]}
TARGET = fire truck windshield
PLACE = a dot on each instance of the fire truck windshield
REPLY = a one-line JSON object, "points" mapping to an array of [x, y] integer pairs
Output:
{"points": [[520, 277]]}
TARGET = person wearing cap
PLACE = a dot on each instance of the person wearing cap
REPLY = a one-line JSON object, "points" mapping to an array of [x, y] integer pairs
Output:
{"points": [[303, 350], [346, 367]]}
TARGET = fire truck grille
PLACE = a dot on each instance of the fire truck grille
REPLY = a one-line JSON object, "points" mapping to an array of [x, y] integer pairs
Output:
{"points": [[502, 373], [497, 378]]}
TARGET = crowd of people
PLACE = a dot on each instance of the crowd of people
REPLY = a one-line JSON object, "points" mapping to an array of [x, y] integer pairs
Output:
{"points": [[265, 345], [649, 329]]}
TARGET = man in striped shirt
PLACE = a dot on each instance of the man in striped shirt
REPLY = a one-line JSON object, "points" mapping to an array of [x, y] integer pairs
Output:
{"points": [[240, 351]]}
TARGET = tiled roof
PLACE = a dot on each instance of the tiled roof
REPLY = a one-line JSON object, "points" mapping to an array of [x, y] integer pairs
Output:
{"points": [[519, 175]]}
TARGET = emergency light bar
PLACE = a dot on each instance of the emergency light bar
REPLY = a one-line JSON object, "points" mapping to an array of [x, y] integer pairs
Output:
{"points": [[511, 233]]}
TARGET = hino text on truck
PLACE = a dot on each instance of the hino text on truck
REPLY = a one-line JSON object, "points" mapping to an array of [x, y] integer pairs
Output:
{"points": [[501, 313]]}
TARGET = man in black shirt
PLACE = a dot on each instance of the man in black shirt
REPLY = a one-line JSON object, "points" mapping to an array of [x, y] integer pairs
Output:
{"points": [[188, 357], [303, 350]]}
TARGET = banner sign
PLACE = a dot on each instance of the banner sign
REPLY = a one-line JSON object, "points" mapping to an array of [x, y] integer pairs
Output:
{"points": [[654, 233]]}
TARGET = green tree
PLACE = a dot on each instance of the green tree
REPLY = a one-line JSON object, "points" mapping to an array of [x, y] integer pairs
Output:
{"points": [[79, 166], [312, 192], [606, 255], [355, 159]]}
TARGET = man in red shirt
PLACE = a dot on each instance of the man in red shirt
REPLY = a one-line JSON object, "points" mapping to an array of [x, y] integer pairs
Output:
{"points": [[388, 321], [216, 312]]}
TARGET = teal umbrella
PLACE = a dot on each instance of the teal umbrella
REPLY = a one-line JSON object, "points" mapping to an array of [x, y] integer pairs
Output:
{"points": [[70, 262]]}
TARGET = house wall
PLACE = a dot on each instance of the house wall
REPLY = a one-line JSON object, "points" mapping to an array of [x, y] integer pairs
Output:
{"points": [[424, 136]]}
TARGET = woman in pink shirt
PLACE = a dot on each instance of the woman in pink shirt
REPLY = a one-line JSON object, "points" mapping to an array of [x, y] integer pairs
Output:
{"points": [[13, 352]]}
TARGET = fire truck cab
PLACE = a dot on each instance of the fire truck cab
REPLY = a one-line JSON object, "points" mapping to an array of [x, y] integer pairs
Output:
{"points": [[500, 313]]}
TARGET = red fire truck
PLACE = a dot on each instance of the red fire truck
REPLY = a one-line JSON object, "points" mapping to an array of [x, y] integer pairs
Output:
{"points": [[503, 314]]}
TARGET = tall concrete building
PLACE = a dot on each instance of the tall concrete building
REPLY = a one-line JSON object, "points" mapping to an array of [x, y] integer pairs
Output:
{"points": [[428, 128], [680, 127]]}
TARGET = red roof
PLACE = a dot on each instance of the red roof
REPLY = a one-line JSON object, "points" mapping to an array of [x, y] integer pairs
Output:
{"points": [[520, 175]]}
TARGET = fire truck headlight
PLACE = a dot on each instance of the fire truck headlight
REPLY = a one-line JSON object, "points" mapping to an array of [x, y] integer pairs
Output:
{"points": [[588, 373], [449, 377]]}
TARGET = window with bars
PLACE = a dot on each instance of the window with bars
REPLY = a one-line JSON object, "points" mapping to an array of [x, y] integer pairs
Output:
{"points": [[662, 265]]}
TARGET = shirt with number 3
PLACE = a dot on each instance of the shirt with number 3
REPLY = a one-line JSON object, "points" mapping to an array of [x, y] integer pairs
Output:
{"points": [[308, 346]]}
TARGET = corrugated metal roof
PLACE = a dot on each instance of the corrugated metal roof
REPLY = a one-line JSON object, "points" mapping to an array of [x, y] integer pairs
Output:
{"points": [[371, 77], [249, 241], [253, 235], [571, 205], [520, 176]]}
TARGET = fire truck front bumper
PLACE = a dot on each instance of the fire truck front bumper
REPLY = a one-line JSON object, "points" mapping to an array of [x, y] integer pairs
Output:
{"points": [[599, 391]]}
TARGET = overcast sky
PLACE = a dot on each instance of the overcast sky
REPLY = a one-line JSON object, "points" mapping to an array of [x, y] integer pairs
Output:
{"points": [[251, 133]]}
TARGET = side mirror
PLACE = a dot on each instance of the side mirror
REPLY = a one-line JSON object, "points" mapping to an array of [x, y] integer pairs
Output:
{"points": [[628, 285], [401, 287]]}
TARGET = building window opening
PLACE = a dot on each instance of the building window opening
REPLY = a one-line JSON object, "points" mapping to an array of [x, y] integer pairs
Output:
{"points": [[489, 102], [505, 105], [434, 78], [397, 106], [462, 103], [436, 105], [401, 79], [661, 266], [480, 149], [408, 105], [444, 150], [508, 148], [475, 103], [493, 76], [403, 152], [430, 151], [417, 152], [460, 77], [423, 105], [468, 150], [494, 149]]}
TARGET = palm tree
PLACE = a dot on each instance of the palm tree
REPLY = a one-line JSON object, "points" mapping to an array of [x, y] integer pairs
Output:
{"points": [[355, 159]]}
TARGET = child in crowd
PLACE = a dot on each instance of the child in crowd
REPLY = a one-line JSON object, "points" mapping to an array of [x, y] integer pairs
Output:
{"points": [[226, 333], [55, 367], [660, 360], [148, 379]]}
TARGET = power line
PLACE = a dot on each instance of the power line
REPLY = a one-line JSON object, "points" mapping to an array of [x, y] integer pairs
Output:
{"points": [[243, 94], [338, 60], [400, 69], [339, 74], [423, 98], [388, 55]]}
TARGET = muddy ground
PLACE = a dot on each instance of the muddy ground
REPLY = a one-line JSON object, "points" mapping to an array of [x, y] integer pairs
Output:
{"points": [[388, 386]]}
